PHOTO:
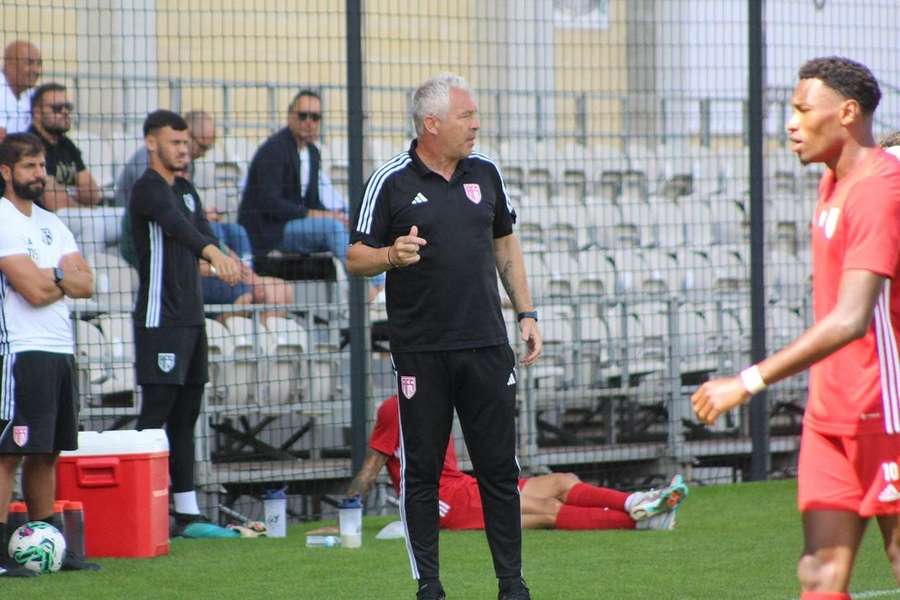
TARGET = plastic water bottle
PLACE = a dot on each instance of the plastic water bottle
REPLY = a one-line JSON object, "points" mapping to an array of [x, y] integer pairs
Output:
{"points": [[322, 541]]}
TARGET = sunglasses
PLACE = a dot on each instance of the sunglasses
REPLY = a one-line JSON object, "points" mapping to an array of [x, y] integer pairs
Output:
{"points": [[61, 106], [309, 116]]}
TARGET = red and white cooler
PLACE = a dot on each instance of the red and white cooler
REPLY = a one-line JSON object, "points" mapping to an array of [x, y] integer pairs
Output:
{"points": [[122, 479]]}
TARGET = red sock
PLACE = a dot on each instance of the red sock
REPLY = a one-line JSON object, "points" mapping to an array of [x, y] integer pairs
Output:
{"points": [[583, 494], [583, 517], [824, 596]]}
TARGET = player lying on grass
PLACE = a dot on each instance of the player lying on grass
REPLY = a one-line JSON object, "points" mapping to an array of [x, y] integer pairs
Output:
{"points": [[555, 501]]}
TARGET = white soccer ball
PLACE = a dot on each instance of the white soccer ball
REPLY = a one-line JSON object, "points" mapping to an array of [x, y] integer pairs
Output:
{"points": [[38, 546]]}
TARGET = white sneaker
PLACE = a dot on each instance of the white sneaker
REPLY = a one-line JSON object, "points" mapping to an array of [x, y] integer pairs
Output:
{"points": [[642, 505], [659, 522]]}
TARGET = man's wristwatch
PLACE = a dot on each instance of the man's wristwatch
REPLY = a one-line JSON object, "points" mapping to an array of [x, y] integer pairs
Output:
{"points": [[528, 314], [58, 276]]}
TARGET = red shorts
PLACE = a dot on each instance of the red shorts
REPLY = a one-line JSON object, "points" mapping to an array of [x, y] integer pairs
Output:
{"points": [[460, 506], [860, 474]]}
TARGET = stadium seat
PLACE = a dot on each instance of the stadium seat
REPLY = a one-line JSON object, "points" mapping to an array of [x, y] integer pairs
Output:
{"points": [[221, 362], [115, 282], [730, 222], [287, 346], [247, 378], [563, 269], [99, 157], [100, 373], [788, 281]]}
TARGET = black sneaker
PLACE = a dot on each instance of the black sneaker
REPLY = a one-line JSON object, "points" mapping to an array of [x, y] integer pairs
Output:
{"points": [[516, 590], [431, 591], [73, 562], [13, 570]]}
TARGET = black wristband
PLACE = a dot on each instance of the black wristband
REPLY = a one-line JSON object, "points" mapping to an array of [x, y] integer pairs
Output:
{"points": [[528, 314]]}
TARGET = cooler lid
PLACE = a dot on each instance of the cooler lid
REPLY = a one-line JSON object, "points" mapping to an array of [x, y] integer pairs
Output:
{"points": [[96, 443]]}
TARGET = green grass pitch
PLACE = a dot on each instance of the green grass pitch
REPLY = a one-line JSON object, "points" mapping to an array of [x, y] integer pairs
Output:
{"points": [[738, 541]]}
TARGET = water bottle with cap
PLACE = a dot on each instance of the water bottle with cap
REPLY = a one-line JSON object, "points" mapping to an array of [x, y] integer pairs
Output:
{"points": [[322, 541], [275, 508], [350, 521]]}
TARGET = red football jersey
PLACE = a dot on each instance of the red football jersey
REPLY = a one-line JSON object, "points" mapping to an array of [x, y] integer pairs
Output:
{"points": [[385, 438], [856, 225]]}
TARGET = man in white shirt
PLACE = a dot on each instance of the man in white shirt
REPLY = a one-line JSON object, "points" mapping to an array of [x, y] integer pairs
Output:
{"points": [[22, 67], [39, 266]]}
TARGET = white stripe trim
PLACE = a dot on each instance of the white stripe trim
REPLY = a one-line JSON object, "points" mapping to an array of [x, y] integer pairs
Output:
{"points": [[888, 361], [154, 291], [399, 162], [509, 205], [8, 392], [409, 551]]}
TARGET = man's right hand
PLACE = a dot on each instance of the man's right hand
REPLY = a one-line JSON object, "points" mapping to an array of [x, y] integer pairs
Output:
{"points": [[224, 267], [405, 250]]}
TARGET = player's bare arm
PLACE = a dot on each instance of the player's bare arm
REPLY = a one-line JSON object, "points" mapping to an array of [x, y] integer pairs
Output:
{"points": [[36, 285], [365, 479], [78, 278], [366, 261], [511, 268], [55, 196], [849, 320], [87, 190]]}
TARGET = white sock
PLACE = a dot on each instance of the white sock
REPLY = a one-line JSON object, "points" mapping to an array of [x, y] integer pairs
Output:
{"points": [[186, 503]]}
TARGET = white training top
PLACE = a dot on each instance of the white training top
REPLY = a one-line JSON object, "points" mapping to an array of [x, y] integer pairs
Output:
{"points": [[15, 113], [45, 239]]}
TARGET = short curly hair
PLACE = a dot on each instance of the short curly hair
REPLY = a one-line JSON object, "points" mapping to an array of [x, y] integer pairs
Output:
{"points": [[849, 78], [890, 140]]}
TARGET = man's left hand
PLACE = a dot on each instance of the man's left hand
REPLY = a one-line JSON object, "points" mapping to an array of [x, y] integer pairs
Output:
{"points": [[532, 338]]}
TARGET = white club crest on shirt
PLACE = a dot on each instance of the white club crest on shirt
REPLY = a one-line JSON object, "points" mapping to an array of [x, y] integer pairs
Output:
{"points": [[165, 361], [408, 386], [189, 202], [46, 235], [473, 192]]}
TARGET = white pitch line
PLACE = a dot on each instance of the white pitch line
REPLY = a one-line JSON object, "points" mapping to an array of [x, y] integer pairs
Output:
{"points": [[872, 594], [877, 593]]}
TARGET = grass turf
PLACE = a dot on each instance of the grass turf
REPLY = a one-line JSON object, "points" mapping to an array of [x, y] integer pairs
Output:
{"points": [[738, 541]]}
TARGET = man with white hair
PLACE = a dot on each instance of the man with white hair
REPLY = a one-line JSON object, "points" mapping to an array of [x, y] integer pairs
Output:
{"points": [[22, 67], [438, 219]]}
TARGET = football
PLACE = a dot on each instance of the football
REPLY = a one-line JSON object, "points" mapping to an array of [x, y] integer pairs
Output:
{"points": [[38, 546]]}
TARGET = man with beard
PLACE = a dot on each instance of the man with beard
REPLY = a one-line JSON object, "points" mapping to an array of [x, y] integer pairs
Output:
{"points": [[71, 191], [39, 266], [170, 233], [51, 119]]}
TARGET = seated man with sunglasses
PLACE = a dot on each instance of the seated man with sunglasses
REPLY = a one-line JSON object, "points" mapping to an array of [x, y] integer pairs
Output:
{"points": [[288, 203], [71, 190]]}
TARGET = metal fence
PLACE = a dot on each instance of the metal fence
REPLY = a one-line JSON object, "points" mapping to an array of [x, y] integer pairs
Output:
{"points": [[625, 131]]}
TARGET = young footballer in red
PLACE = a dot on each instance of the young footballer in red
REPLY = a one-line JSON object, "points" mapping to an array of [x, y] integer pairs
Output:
{"points": [[555, 501], [849, 453]]}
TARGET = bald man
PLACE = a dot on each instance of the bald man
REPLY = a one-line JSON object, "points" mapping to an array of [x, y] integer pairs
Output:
{"points": [[22, 67]]}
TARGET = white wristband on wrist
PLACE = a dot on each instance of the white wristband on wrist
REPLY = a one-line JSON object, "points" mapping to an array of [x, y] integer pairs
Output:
{"points": [[752, 379]]}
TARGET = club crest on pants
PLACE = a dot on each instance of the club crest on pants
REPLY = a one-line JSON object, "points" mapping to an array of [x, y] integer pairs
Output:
{"points": [[20, 435], [408, 386], [165, 361]]}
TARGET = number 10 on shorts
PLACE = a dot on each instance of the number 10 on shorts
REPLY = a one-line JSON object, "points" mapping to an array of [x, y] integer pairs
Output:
{"points": [[891, 472]]}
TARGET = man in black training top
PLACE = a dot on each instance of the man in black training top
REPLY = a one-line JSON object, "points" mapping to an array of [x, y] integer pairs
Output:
{"points": [[170, 233], [438, 219]]}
